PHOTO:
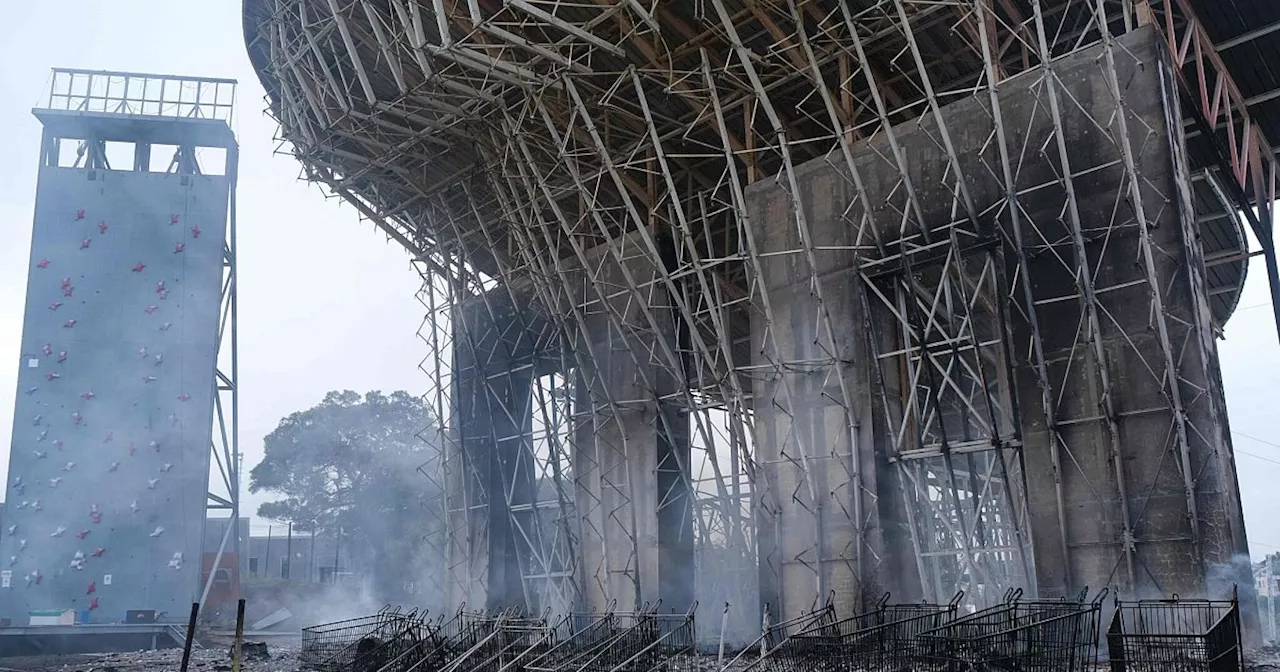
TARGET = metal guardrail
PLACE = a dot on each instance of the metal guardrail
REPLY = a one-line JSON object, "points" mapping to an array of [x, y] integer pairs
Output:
{"points": [[135, 93]]}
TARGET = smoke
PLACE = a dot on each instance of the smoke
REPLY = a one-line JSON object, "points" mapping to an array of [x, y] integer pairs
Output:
{"points": [[1222, 580]]}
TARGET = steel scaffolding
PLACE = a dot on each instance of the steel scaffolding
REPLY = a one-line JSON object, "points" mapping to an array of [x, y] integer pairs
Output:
{"points": [[571, 179]]}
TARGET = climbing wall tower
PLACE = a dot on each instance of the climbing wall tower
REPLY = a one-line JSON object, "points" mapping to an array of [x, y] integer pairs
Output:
{"points": [[127, 353]]}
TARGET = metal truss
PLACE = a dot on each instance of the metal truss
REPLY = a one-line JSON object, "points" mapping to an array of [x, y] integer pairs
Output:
{"points": [[572, 181]]}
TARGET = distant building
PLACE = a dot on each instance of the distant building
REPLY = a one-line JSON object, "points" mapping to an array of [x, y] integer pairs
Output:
{"points": [[298, 557], [277, 554]]}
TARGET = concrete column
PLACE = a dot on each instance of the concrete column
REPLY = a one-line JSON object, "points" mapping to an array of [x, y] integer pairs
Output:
{"points": [[820, 443], [494, 373], [631, 445]]}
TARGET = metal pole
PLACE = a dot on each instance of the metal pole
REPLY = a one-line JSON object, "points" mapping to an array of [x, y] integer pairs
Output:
{"points": [[337, 537], [724, 621], [266, 561], [1271, 597], [288, 555], [311, 555], [235, 651], [191, 635]]}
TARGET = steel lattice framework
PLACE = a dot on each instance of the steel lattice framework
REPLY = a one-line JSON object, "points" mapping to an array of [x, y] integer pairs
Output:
{"points": [[571, 178]]}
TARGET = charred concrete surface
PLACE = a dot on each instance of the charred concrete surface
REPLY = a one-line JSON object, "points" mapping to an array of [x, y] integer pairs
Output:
{"points": [[1084, 292]]}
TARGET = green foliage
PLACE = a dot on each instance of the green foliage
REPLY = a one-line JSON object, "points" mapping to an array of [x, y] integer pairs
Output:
{"points": [[350, 464]]}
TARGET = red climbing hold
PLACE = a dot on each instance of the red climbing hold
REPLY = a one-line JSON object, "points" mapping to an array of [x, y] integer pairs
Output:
{"points": [[160, 287], [55, 305], [96, 517], [66, 282], [77, 418], [93, 604], [43, 263], [88, 394], [184, 396], [173, 219], [151, 309], [51, 376], [47, 349], [36, 576], [179, 247], [163, 294], [195, 231], [91, 589], [102, 227], [131, 449], [62, 356], [82, 534], [57, 443], [137, 268], [84, 244], [79, 213], [68, 324], [68, 290], [97, 552]]}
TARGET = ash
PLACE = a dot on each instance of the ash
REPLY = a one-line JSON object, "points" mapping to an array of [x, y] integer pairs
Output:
{"points": [[212, 658]]}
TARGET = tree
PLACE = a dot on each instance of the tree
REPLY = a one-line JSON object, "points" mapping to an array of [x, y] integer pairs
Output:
{"points": [[349, 466]]}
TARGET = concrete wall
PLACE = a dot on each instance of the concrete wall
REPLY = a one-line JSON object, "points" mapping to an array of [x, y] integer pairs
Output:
{"points": [[1167, 558], [127, 433]]}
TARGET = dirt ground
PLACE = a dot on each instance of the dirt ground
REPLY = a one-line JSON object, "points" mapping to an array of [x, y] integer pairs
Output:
{"points": [[214, 657], [284, 658]]}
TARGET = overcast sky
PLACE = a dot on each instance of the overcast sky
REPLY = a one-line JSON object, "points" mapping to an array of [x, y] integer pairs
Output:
{"points": [[325, 302]]}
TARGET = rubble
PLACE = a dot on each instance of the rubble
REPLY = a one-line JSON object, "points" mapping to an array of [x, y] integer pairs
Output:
{"points": [[283, 657]]}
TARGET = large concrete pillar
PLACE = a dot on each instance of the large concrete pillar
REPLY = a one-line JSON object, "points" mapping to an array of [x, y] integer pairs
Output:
{"points": [[1074, 270], [631, 446], [494, 357], [1145, 497], [830, 516]]}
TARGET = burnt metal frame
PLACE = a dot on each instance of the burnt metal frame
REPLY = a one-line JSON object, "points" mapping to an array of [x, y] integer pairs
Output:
{"points": [[596, 153]]}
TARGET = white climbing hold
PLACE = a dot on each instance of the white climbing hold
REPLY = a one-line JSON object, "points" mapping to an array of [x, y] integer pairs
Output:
{"points": [[151, 483], [59, 532], [158, 531]]}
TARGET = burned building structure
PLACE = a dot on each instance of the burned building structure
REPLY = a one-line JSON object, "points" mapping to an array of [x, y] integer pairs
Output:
{"points": [[760, 301]]}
